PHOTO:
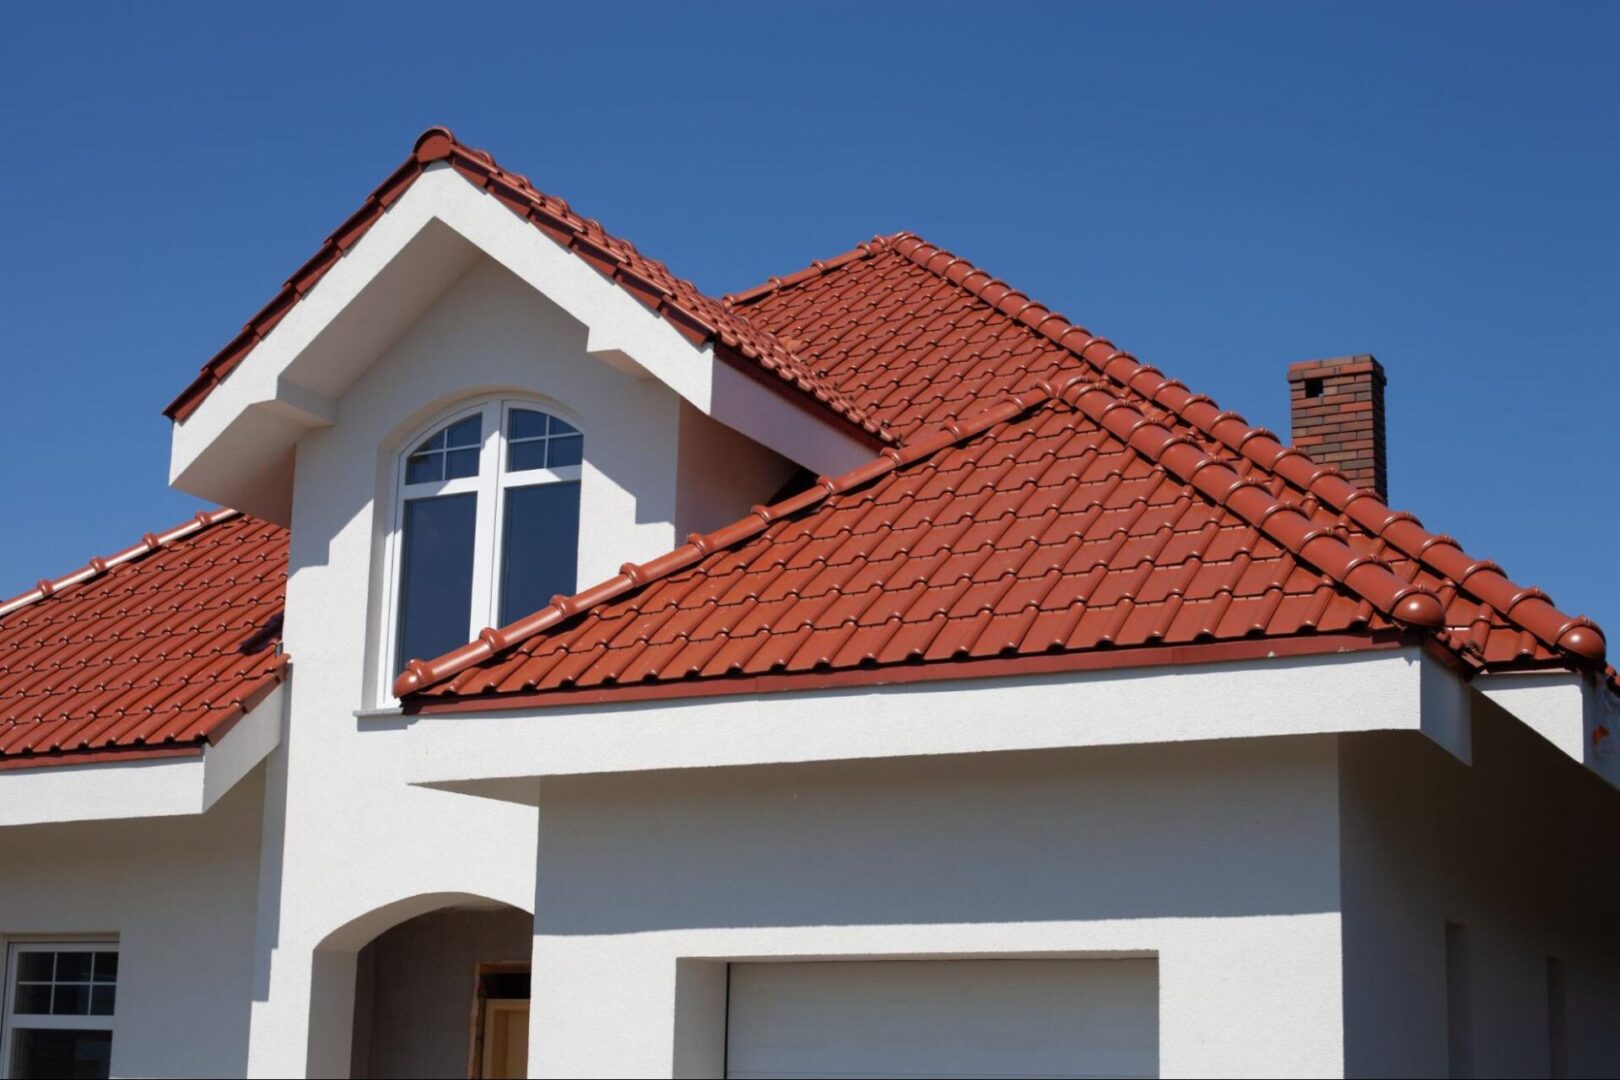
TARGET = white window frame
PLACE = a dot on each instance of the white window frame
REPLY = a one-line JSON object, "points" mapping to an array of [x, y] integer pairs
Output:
{"points": [[10, 1021], [490, 485]]}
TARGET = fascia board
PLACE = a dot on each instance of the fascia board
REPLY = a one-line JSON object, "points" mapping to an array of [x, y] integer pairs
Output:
{"points": [[506, 754]]}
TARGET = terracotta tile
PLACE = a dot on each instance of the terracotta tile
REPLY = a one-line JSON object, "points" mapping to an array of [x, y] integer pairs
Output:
{"points": [[130, 655]]}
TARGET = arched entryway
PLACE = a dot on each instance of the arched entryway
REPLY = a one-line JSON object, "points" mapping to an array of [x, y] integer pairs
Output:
{"points": [[440, 988]]}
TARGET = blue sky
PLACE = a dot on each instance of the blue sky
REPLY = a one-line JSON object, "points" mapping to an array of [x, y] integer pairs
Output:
{"points": [[1222, 190]]}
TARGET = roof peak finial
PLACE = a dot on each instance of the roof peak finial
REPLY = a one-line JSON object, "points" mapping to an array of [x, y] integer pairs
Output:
{"points": [[434, 144]]}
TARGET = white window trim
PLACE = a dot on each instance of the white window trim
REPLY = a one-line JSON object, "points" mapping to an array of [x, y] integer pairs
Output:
{"points": [[10, 1021], [490, 485]]}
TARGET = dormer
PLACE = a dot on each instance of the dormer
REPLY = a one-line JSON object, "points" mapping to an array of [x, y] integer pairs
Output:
{"points": [[472, 400]]}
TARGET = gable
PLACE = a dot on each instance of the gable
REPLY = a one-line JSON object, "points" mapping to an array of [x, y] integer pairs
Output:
{"points": [[237, 422]]}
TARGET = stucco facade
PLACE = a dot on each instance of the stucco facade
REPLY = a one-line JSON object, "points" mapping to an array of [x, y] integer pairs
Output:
{"points": [[1294, 892]]}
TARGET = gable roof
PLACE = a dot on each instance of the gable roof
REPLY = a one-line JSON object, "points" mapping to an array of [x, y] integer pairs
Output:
{"points": [[153, 651], [1053, 497], [700, 318]]}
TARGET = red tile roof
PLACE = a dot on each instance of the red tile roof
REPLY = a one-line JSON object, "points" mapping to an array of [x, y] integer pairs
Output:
{"points": [[1078, 501], [698, 317], [914, 343], [1050, 495], [155, 650]]}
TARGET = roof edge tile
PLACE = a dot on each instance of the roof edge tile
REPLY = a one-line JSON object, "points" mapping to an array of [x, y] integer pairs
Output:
{"points": [[100, 564]]}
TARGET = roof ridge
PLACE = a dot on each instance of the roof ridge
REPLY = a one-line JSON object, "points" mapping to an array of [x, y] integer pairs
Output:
{"points": [[149, 543], [697, 316], [875, 246], [1178, 455], [1530, 608]]}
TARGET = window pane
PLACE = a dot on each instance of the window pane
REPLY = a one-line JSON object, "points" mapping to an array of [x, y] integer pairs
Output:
{"points": [[73, 966], [36, 966], [561, 427], [459, 463], [435, 584], [65, 1053], [566, 451], [468, 432], [424, 469], [106, 966], [72, 999], [526, 455], [540, 549], [33, 999], [101, 1000], [526, 424], [432, 442]]}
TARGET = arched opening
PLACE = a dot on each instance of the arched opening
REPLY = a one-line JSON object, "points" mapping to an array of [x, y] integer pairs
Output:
{"points": [[435, 986]]}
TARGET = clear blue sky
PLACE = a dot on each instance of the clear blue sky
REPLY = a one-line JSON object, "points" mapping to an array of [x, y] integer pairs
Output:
{"points": [[1220, 189]]}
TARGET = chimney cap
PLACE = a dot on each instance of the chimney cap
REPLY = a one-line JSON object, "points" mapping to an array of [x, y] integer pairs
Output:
{"points": [[1358, 364]]}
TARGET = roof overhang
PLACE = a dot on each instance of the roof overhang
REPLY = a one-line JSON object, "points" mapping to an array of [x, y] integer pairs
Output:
{"points": [[1575, 711], [236, 447], [510, 755], [142, 784]]}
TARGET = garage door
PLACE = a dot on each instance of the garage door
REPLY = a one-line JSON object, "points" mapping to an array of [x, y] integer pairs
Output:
{"points": [[950, 1018]]}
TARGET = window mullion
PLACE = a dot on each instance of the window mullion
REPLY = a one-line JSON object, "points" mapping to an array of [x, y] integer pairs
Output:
{"points": [[485, 560], [498, 523]]}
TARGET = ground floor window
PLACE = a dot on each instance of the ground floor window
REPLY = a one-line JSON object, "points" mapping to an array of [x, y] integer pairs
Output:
{"points": [[59, 1002]]}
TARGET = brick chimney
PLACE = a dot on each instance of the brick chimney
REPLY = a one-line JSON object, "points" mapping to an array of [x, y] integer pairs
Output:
{"points": [[1337, 407]]}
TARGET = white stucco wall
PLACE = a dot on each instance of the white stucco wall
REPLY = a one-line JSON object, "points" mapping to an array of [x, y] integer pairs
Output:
{"points": [[492, 334], [178, 895], [1515, 848], [1220, 859], [358, 848], [722, 474]]}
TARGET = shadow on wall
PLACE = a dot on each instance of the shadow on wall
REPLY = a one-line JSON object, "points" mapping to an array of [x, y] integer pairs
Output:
{"points": [[1200, 829]]}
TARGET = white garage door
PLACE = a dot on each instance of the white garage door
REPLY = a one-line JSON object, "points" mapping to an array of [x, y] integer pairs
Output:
{"points": [[947, 1018]]}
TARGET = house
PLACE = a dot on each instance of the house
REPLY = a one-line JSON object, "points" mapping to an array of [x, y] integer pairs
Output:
{"points": [[872, 673]]}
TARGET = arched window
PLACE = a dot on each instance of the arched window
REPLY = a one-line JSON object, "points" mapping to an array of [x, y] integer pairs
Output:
{"points": [[487, 525]]}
